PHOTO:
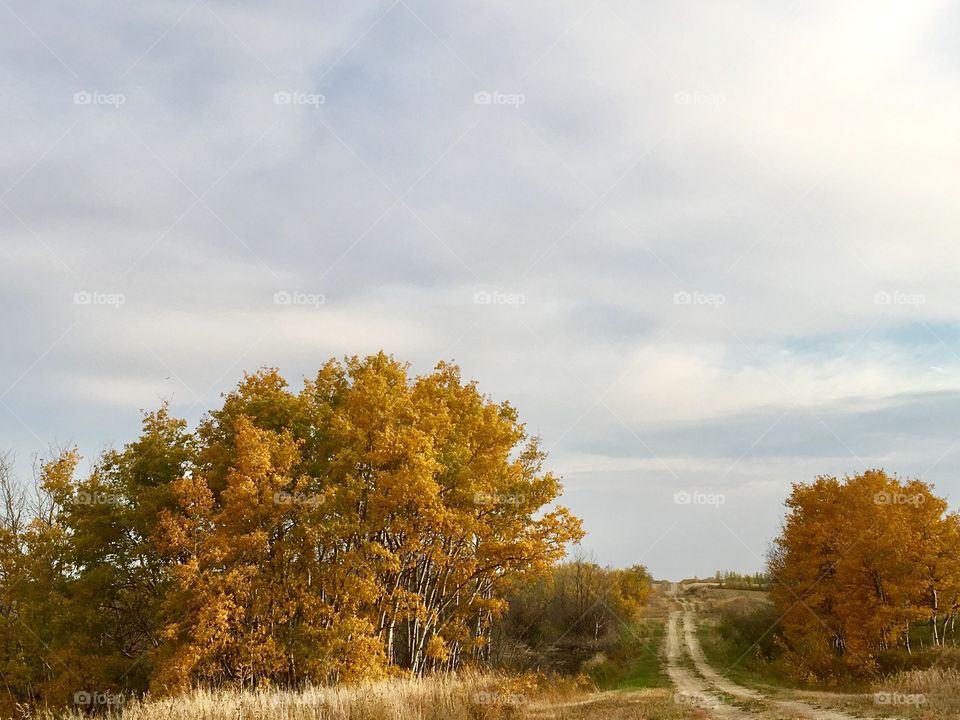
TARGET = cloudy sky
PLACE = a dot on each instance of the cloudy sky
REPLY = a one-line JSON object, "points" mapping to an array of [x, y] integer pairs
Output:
{"points": [[705, 248]]}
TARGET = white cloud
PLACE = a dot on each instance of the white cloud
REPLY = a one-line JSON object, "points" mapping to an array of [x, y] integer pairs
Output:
{"points": [[796, 162]]}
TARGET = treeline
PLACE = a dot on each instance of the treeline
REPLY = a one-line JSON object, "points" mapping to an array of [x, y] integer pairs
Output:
{"points": [[865, 569], [742, 581], [370, 523]]}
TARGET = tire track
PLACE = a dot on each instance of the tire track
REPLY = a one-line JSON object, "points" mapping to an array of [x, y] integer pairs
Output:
{"points": [[691, 689]]}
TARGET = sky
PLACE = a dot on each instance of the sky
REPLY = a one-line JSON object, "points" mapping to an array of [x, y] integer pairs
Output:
{"points": [[707, 249]]}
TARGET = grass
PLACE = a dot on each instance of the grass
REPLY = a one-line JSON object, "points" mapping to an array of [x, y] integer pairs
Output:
{"points": [[646, 704], [636, 662], [465, 697], [932, 694], [454, 697]]}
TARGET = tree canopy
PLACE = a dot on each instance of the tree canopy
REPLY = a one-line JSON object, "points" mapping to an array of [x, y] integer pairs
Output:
{"points": [[860, 561], [366, 524]]}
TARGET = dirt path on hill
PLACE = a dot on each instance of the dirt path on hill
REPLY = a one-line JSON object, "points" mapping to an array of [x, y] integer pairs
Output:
{"points": [[691, 689]]}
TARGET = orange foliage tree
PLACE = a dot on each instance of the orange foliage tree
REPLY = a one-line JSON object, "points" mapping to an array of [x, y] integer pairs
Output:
{"points": [[858, 563], [366, 524]]}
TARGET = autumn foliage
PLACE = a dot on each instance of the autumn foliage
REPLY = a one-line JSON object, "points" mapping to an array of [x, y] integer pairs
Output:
{"points": [[364, 526], [865, 566]]}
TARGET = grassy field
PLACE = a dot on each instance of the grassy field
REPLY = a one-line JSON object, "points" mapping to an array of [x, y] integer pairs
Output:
{"points": [[637, 662], [484, 696], [471, 697], [648, 704]]}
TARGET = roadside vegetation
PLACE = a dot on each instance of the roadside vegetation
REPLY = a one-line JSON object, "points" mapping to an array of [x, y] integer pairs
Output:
{"points": [[574, 617], [738, 633], [635, 661]]}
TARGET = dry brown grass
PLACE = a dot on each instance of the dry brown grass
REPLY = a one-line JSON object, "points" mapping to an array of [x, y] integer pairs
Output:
{"points": [[649, 704], [932, 694], [463, 697], [931, 681]]}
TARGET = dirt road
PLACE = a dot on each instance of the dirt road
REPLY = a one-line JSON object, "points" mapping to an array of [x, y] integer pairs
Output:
{"points": [[691, 689]]}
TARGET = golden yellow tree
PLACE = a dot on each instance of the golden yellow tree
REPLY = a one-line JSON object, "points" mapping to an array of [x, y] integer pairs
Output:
{"points": [[858, 562], [369, 521]]}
